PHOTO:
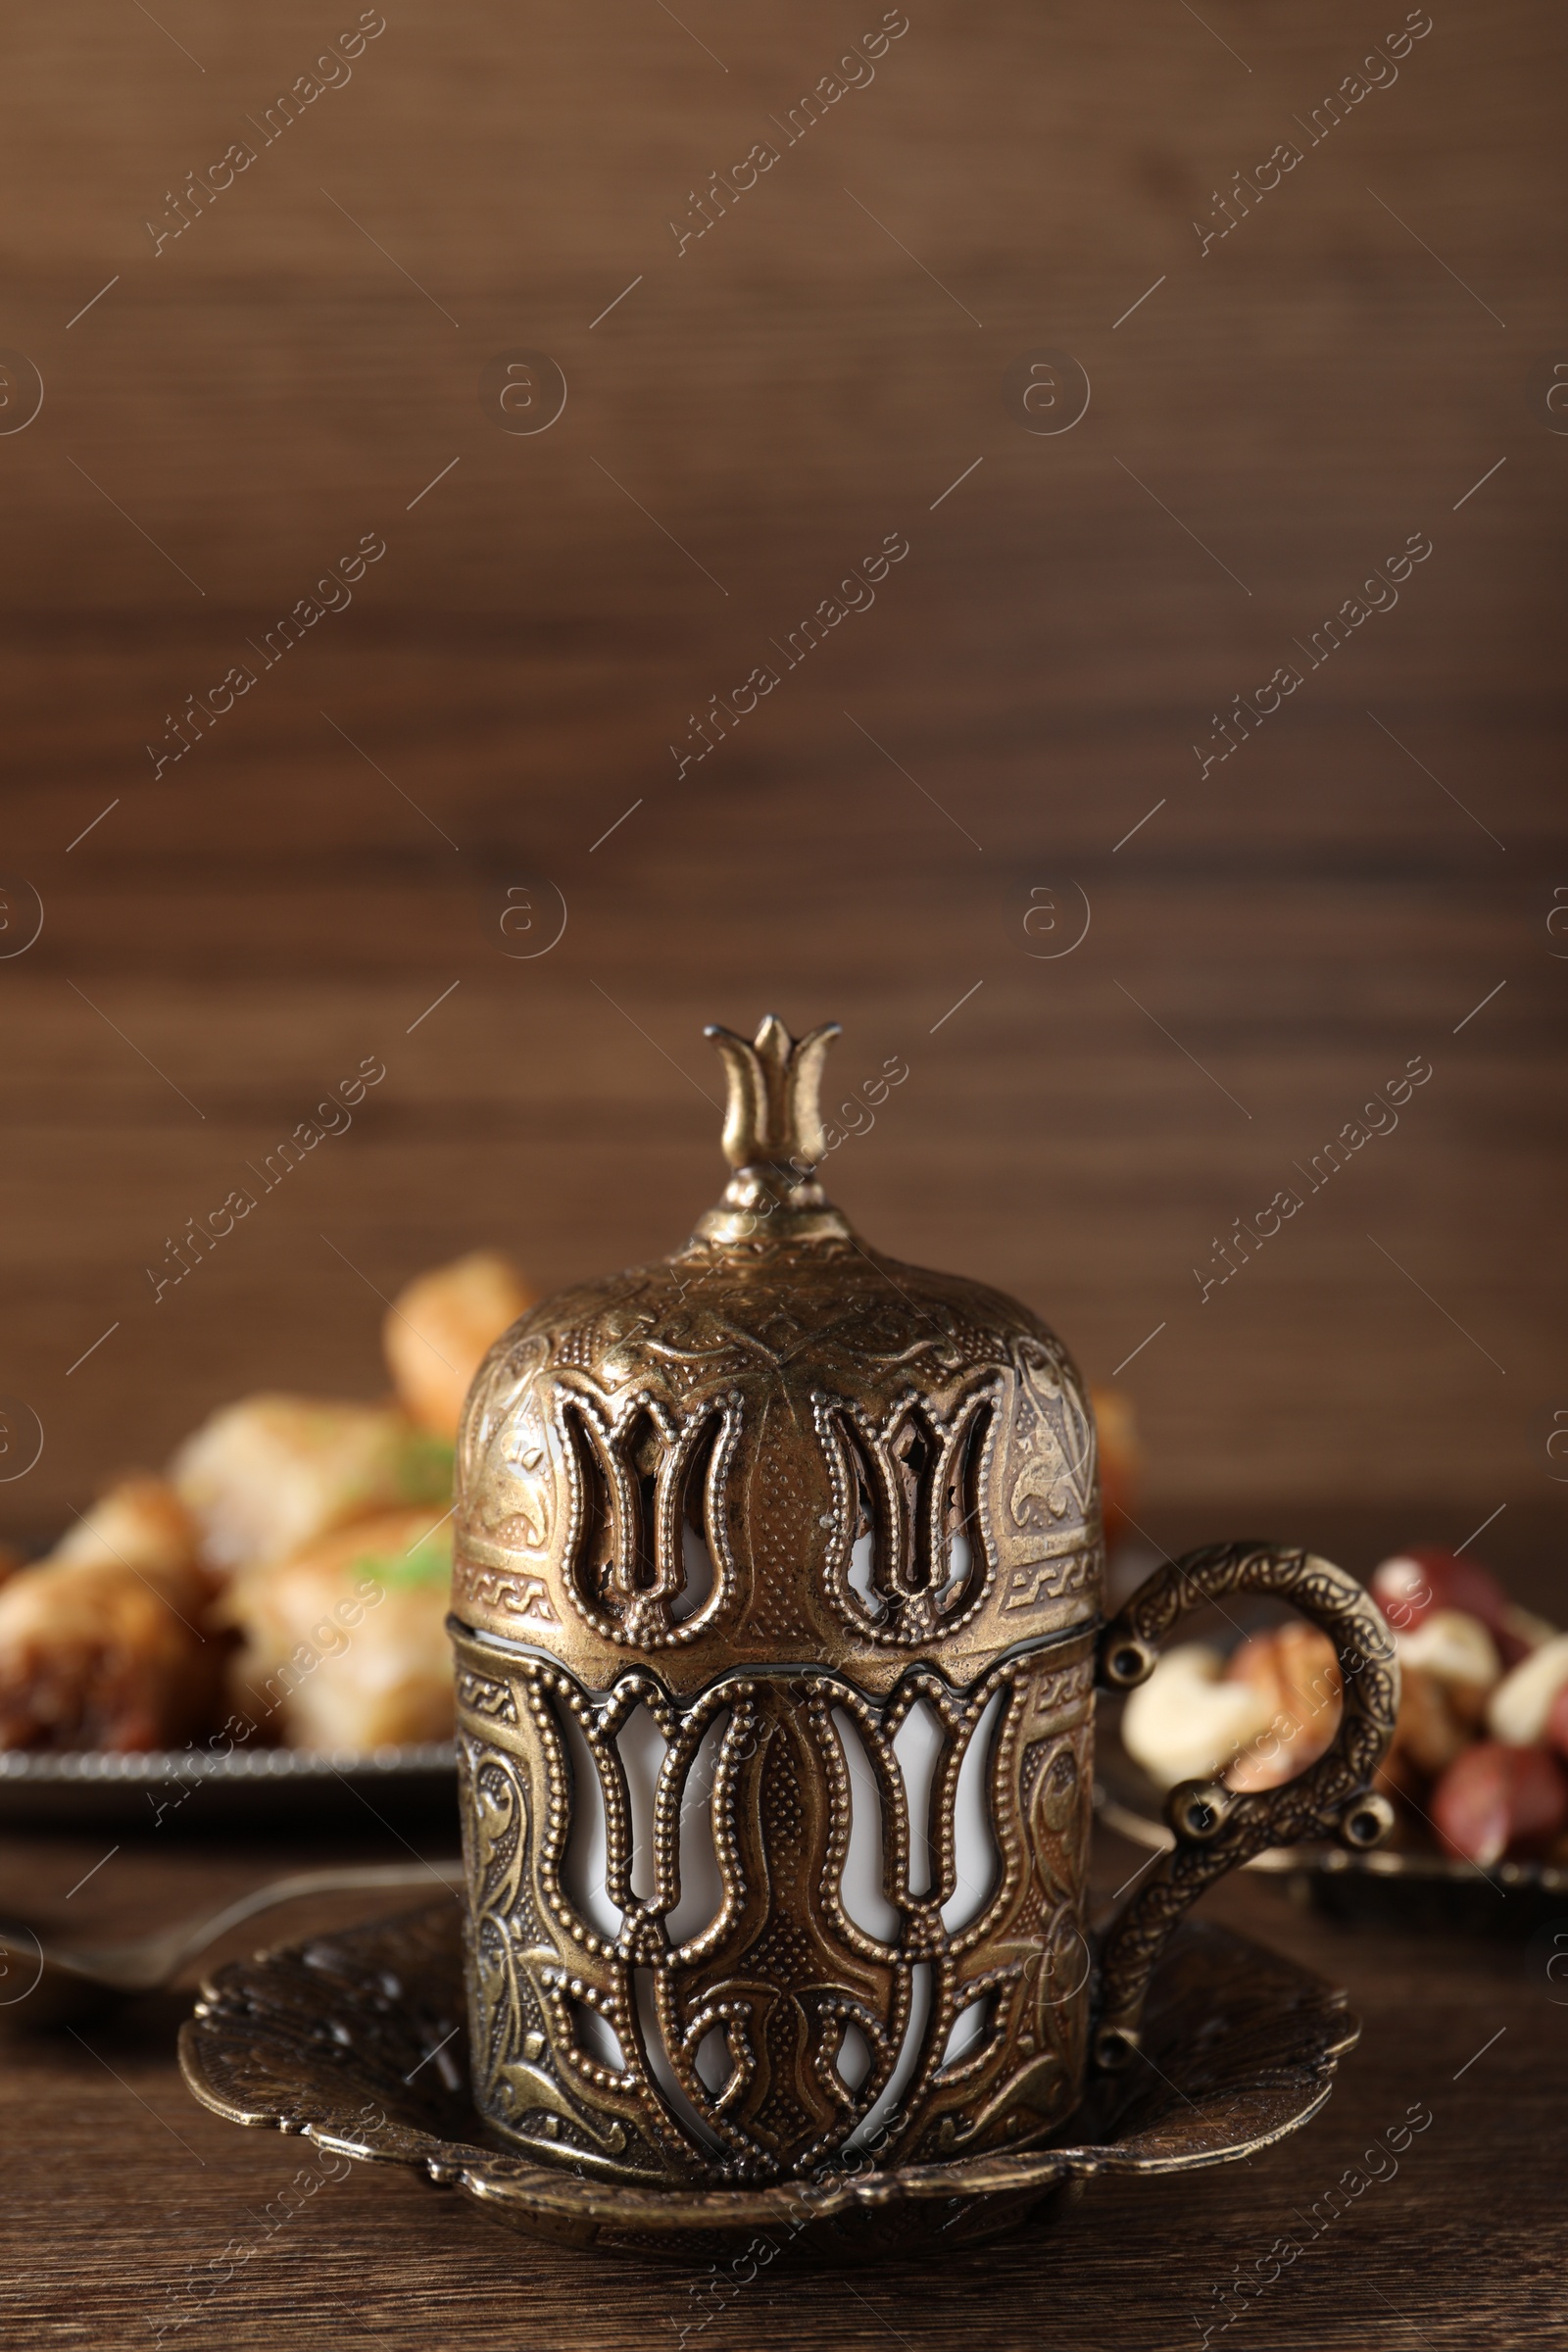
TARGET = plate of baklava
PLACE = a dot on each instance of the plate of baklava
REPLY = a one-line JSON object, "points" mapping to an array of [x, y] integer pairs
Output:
{"points": [[257, 1630]]}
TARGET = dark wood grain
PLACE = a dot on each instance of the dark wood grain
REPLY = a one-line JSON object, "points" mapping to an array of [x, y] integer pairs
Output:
{"points": [[1278, 938], [1274, 942], [128, 2190]]}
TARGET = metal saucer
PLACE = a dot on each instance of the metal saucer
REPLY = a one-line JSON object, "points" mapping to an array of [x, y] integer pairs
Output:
{"points": [[358, 2041]]}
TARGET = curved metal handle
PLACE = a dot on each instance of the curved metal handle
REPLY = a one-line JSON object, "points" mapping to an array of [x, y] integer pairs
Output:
{"points": [[1216, 1829]]}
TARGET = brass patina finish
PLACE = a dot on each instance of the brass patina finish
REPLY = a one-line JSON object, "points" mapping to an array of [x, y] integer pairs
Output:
{"points": [[1242, 2044], [783, 1390], [772, 1497]]}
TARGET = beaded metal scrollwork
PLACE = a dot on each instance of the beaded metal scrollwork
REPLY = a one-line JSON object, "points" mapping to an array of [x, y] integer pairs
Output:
{"points": [[781, 1979], [1216, 1829], [638, 1476], [758, 1520], [871, 1461], [912, 1489]]}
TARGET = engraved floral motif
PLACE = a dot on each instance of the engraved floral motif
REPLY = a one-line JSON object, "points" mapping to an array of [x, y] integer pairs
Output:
{"points": [[1242, 2046], [936, 1416], [781, 1970], [913, 1487], [1325, 1800], [786, 1497]]}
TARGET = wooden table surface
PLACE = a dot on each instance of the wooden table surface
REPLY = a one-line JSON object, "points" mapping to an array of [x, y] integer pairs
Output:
{"points": [[125, 2203], [985, 822]]}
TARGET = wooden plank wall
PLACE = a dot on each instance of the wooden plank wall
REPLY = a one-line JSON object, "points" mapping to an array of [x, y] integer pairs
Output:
{"points": [[928, 801]]}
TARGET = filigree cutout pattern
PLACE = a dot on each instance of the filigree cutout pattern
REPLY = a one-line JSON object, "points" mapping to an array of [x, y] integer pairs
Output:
{"points": [[1242, 2045], [830, 1524], [877, 1461], [912, 1490], [1329, 1798], [637, 1478], [756, 2046]]}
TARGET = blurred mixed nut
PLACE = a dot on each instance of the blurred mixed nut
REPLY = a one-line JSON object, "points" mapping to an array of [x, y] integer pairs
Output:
{"points": [[1479, 1762]]}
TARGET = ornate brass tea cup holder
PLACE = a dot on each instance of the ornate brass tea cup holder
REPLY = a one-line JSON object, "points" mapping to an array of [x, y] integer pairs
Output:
{"points": [[359, 2041], [831, 1523]]}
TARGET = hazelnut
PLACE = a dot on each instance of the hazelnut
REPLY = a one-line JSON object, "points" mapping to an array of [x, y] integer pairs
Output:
{"points": [[1495, 1799]]}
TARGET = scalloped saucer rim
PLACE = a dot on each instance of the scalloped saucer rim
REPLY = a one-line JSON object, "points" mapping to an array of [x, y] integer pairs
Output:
{"points": [[312, 2038]]}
